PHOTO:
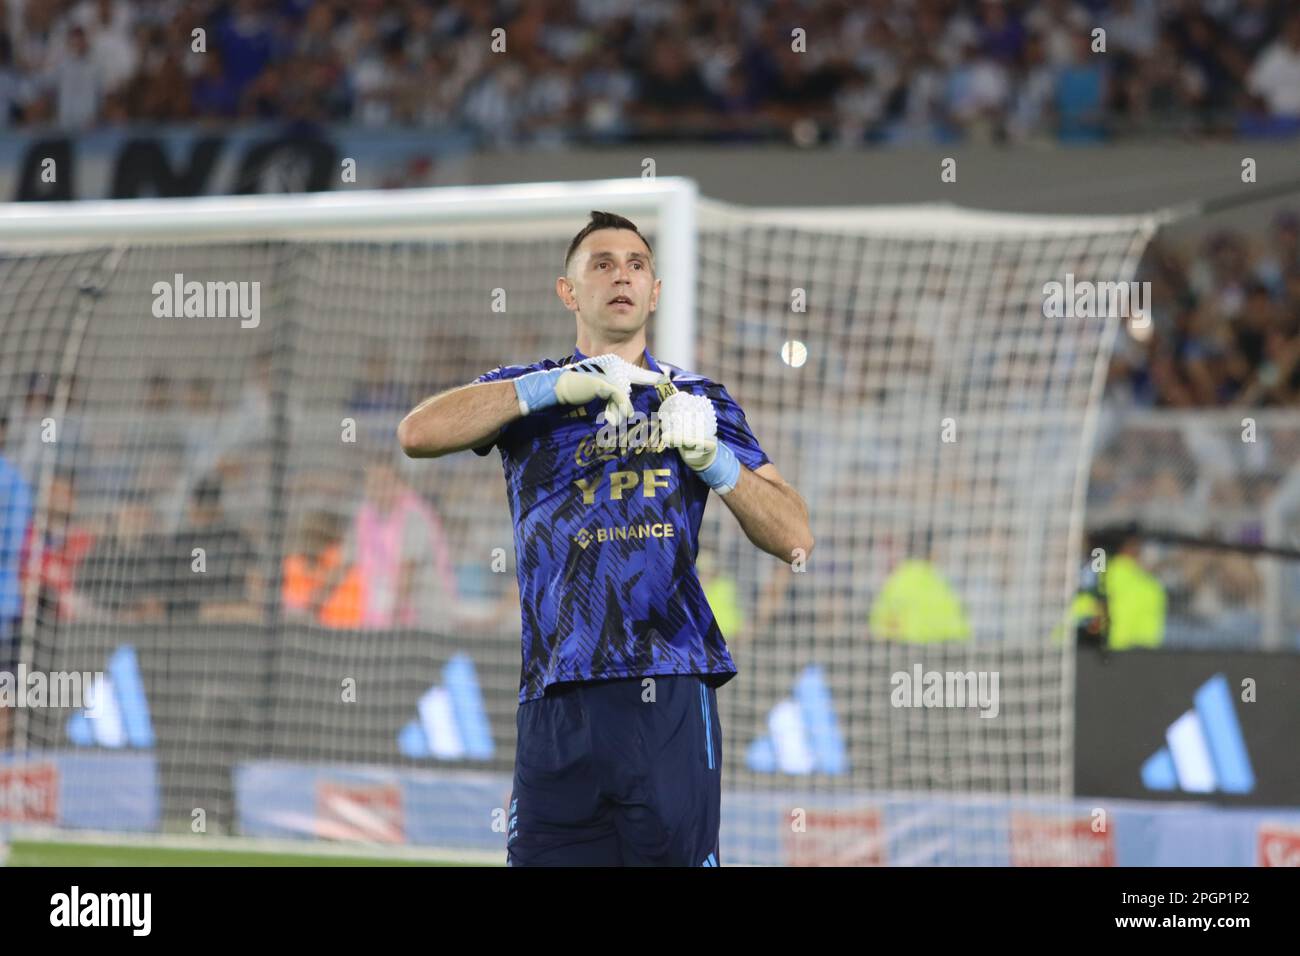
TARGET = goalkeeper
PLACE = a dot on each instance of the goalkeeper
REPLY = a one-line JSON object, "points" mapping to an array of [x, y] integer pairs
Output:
{"points": [[619, 754]]}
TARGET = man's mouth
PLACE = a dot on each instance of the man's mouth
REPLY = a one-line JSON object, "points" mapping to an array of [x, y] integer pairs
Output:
{"points": [[620, 299]]}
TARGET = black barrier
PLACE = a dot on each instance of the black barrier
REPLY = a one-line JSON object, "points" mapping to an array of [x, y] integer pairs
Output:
{"points": [[1192, 713]]}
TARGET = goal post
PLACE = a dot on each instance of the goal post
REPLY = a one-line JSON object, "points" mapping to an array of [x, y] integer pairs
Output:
{"points": [[666, 205], [900, 365]]}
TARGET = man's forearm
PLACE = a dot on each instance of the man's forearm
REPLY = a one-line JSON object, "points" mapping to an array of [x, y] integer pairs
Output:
{"points": [[462, 418], [773, 516]]}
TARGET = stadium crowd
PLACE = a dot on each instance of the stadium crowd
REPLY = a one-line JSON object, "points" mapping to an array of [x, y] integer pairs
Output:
{"points": [[880, 71], [1226, 323]]}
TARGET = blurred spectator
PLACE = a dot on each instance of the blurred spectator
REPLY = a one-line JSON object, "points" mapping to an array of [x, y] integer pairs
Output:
{"points": [[1081, 91], [65, 543], [1282, 259], [1031, 100], [229, 586], [160, 89], [609, 86], [234, 444], [1275, 74], [112, 43], [385, 83], [1123, 605], [916, 604], [11, 83], [77, 83], [397, 543], [246, 38], [213, 95], [978, 91], [125, 576], [1132, 26], [316, 585]]}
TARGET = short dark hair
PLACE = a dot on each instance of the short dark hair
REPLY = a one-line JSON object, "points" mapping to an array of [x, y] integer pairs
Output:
{"points": [[603, 220]]}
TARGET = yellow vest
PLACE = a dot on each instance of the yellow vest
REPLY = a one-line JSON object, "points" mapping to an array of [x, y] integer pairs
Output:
{"points": [[917, 605], [1135, 602], [1082, 608], [721, 595]]}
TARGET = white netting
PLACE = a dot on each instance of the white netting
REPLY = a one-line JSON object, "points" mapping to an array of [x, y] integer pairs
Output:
{"points": [[936, 413]]}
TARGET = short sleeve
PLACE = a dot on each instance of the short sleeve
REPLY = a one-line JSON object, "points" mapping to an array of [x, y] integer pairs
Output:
{"points": [[734, 429], [502, 373]]}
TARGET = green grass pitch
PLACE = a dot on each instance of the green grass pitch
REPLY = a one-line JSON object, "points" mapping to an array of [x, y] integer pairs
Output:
{"points": [[33, 853]]}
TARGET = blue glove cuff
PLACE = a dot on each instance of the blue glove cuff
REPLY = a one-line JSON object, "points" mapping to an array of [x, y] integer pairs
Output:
{"points": [[723, 474], [536, 390]]}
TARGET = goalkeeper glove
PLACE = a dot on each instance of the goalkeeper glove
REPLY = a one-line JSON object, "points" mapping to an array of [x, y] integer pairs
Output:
{"points": [[690, 424], [603, 376]]}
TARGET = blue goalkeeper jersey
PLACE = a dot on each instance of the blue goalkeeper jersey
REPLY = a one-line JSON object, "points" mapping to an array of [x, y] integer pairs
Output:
{"points": [[606, 537]]}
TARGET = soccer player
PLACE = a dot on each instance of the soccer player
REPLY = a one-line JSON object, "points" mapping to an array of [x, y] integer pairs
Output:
{"points": [[619, 754]]}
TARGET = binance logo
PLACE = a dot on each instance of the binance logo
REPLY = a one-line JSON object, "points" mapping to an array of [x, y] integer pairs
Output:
{"points": [[627, 532]]}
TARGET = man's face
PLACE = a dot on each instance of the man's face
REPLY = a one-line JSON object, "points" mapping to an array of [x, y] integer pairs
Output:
{"points": [[610, 283]]}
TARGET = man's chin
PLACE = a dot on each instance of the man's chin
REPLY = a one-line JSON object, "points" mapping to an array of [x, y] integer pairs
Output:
{"points": [[624, 321]]}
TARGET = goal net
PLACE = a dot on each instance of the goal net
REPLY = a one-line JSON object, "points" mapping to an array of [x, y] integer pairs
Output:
{"points": [[302, 634]]}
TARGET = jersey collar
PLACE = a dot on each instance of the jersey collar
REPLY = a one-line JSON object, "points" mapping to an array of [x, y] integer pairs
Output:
{"points": [[650, 362]]}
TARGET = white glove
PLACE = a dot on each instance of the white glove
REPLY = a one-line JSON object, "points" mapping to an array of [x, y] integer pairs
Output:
{"points": [[689, 423], [601, 376]]}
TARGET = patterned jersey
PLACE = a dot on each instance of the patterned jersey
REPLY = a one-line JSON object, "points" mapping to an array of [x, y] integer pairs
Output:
{"points": [[606, 536]]}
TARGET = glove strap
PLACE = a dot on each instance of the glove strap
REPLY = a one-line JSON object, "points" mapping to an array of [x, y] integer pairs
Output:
{"points": [[724, 471], [536, 390]]}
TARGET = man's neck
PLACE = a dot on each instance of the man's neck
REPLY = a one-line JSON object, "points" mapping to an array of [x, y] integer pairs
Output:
{"points": [[631, 351]]}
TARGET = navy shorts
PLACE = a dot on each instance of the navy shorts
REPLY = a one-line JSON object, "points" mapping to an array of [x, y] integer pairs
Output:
{"points": [[608, 773]]}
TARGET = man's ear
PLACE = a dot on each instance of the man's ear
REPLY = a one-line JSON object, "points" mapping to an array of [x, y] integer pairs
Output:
{"points": [[654, 294], [564, 289]]}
